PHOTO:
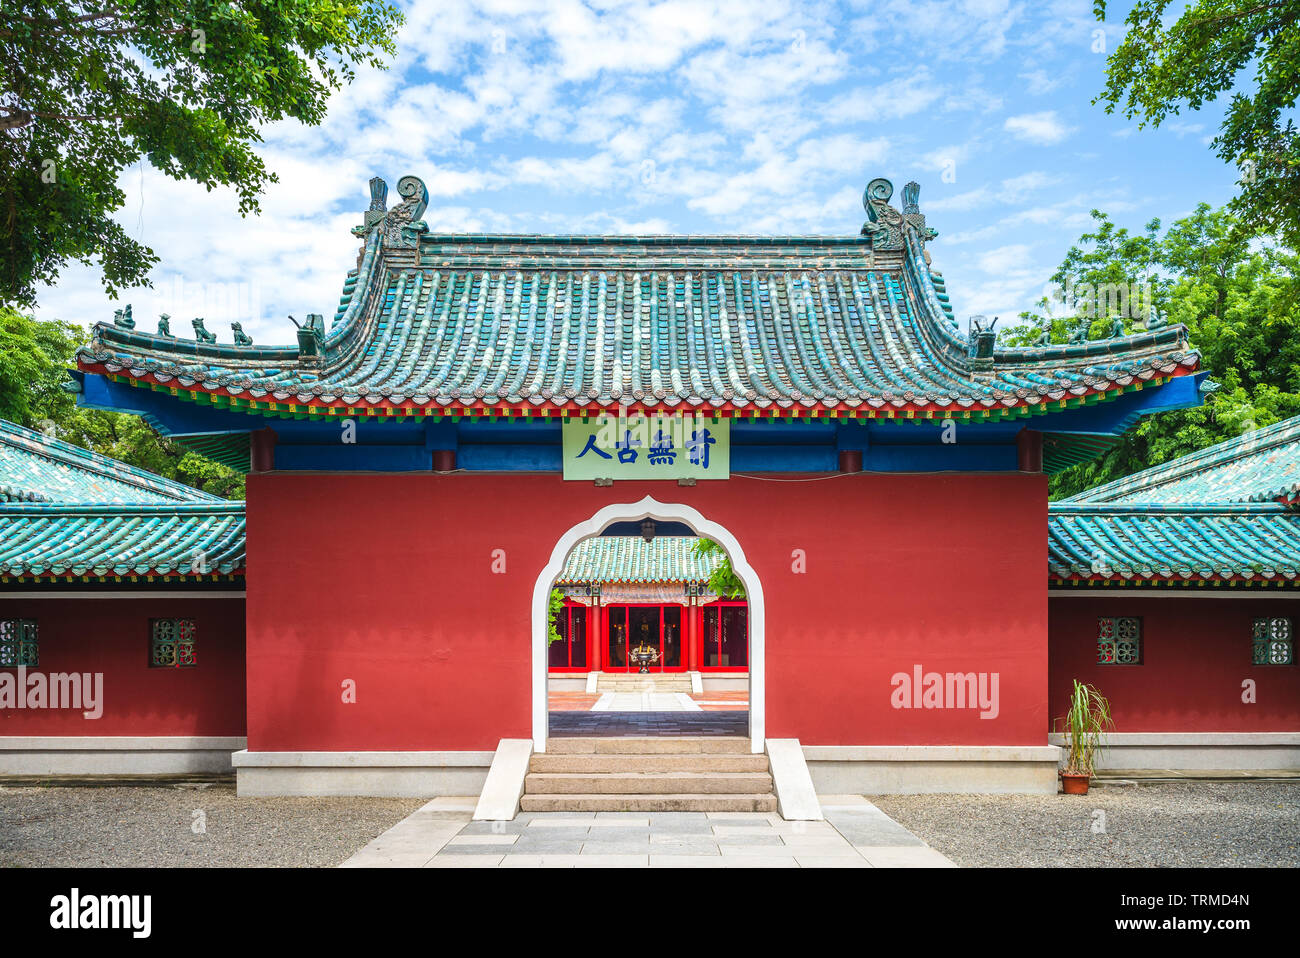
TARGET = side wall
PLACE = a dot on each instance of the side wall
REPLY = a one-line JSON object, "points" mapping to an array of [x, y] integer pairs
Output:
{"points": [[154, 720], [1184, 706], [414, 590]]}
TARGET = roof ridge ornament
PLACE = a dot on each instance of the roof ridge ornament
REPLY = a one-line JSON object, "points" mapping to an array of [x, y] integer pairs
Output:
{"points": [[982, 340], [400, 226], [311, 338], [886, 227], [912, 214]]}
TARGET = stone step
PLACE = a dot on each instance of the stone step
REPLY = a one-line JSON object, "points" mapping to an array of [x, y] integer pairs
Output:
{"points": [[591, 763], [643, 683], [643, 745], [647, 783], [648, 803]]}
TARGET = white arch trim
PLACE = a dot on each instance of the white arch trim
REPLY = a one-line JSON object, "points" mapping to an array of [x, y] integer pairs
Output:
{"points": [[666, 511]]}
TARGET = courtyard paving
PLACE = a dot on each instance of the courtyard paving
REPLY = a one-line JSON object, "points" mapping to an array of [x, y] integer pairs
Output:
{"points": [[1168, 824], [708, 701], [642, 723], [855, 834]]}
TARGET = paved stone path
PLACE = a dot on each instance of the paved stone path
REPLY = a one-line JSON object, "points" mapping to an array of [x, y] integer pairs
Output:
{"points": [[714, 700], [645, 702], [855, 834], [587, 724]]}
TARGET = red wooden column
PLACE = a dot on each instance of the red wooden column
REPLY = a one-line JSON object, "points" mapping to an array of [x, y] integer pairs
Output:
{"points": [[262, 450], [1029, 450], [595, 633], [694, 657]]}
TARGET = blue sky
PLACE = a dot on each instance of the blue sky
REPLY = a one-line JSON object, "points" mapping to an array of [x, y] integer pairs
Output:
{"points": [[687, 117]]}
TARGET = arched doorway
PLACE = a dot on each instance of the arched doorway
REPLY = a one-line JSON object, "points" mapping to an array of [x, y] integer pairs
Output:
{"points": [[649, 507]]}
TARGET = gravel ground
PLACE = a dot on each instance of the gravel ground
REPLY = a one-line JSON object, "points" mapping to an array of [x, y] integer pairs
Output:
{"points": [[1168, 825], [154, 827]]}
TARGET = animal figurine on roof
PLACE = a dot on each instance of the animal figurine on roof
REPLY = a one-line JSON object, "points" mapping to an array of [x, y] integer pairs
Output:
{"points": [[241, 338], [165, 325], [1079, 334], [123, 318], [201, 333]]}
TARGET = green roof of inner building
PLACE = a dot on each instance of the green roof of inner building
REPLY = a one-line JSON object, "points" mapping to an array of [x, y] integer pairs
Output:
{"points": [[630, 559], [69, 512], [514, 324]]}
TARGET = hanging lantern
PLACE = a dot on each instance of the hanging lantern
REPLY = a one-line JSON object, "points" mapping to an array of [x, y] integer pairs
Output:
{"points": [[647, 529]]}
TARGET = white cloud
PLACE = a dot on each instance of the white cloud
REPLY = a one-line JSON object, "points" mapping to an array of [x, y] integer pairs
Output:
{"points": [[1043, 128], [698, 116]]}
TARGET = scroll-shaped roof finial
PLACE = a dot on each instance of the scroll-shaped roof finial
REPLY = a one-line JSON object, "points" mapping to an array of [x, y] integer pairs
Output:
{"points": [[414, 194], [884, 225]]}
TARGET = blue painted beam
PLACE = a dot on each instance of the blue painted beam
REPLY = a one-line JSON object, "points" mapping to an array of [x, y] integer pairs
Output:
{"points": [[518, 445]]}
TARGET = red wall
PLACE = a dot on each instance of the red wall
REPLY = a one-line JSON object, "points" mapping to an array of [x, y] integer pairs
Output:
{"points": [[112, 636], [386, 580], [1195, 656]]}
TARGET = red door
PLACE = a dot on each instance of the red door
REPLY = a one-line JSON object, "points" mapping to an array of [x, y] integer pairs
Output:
{"points": [[657, 626]]}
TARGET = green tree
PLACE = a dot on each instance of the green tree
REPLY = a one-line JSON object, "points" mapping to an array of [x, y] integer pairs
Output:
{"points": [[34, 359], [1239, 302], [554, 610], [723, 581], [1165, 64], [1106, 260], [88, 89]]}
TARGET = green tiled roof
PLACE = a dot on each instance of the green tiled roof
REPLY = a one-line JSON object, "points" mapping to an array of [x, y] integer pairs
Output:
{"points": [[1260, 466], [624, 559], [1224, 513], [1146, 541], [135, 539], [568, 325], [65, 511], [38, 468]]}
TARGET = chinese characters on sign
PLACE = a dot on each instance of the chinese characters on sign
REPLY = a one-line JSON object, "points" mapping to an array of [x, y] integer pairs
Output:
{"points": [[647, 447]]}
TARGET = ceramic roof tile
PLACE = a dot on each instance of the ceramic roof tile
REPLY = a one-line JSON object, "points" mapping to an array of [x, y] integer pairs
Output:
{"points": [[851, 325], [1119, 542], [630, 559], [1224, 512], [187, 539], [65, 511], [1259, 466], [38, 468]]}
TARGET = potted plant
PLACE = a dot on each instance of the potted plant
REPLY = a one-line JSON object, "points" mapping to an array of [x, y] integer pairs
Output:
{"points": [[1085, 725]]}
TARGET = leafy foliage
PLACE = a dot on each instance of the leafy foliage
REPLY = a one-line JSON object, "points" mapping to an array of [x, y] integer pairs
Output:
{"points": [[723, 581], [34, 357], [554, 610], [89, 89], [1240, 301], [1165, 64]]}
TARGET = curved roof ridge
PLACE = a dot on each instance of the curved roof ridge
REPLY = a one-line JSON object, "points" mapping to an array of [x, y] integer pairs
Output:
{"points": [[1261, 465], [35, 467], [630, 559], [492, 324]]}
